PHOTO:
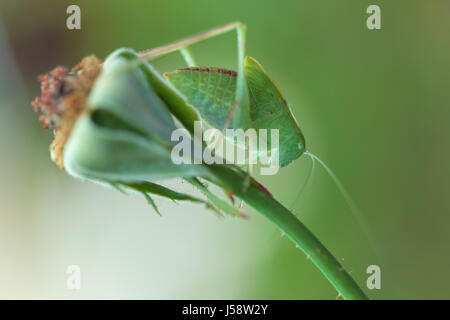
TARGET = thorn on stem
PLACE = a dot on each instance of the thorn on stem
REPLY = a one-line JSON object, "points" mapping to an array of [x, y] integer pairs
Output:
{"points": [[244, 215], [262, 188], [231, 196]]}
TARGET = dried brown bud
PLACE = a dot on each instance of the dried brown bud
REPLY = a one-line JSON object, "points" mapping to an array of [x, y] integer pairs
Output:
{"points": [[63, 99]]}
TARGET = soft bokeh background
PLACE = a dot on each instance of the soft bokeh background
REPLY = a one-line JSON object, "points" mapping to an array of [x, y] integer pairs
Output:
{"points": [[373, 104]]}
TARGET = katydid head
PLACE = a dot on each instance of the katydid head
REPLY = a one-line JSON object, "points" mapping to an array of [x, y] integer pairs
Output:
{"points": [[270, 110]]}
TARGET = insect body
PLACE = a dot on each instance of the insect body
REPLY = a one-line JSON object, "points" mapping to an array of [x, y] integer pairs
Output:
{"points": [[212, 92], [244, 99]]}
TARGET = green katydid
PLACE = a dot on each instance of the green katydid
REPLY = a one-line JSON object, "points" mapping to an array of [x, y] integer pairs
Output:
{"points": [[223, 98], [113, 122]]}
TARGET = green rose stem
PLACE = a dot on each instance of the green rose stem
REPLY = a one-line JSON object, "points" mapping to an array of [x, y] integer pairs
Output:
{"points": [[294, 229]]}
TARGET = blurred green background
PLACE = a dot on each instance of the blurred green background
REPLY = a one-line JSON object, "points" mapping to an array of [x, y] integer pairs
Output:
{"points": [[374, 105]]}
